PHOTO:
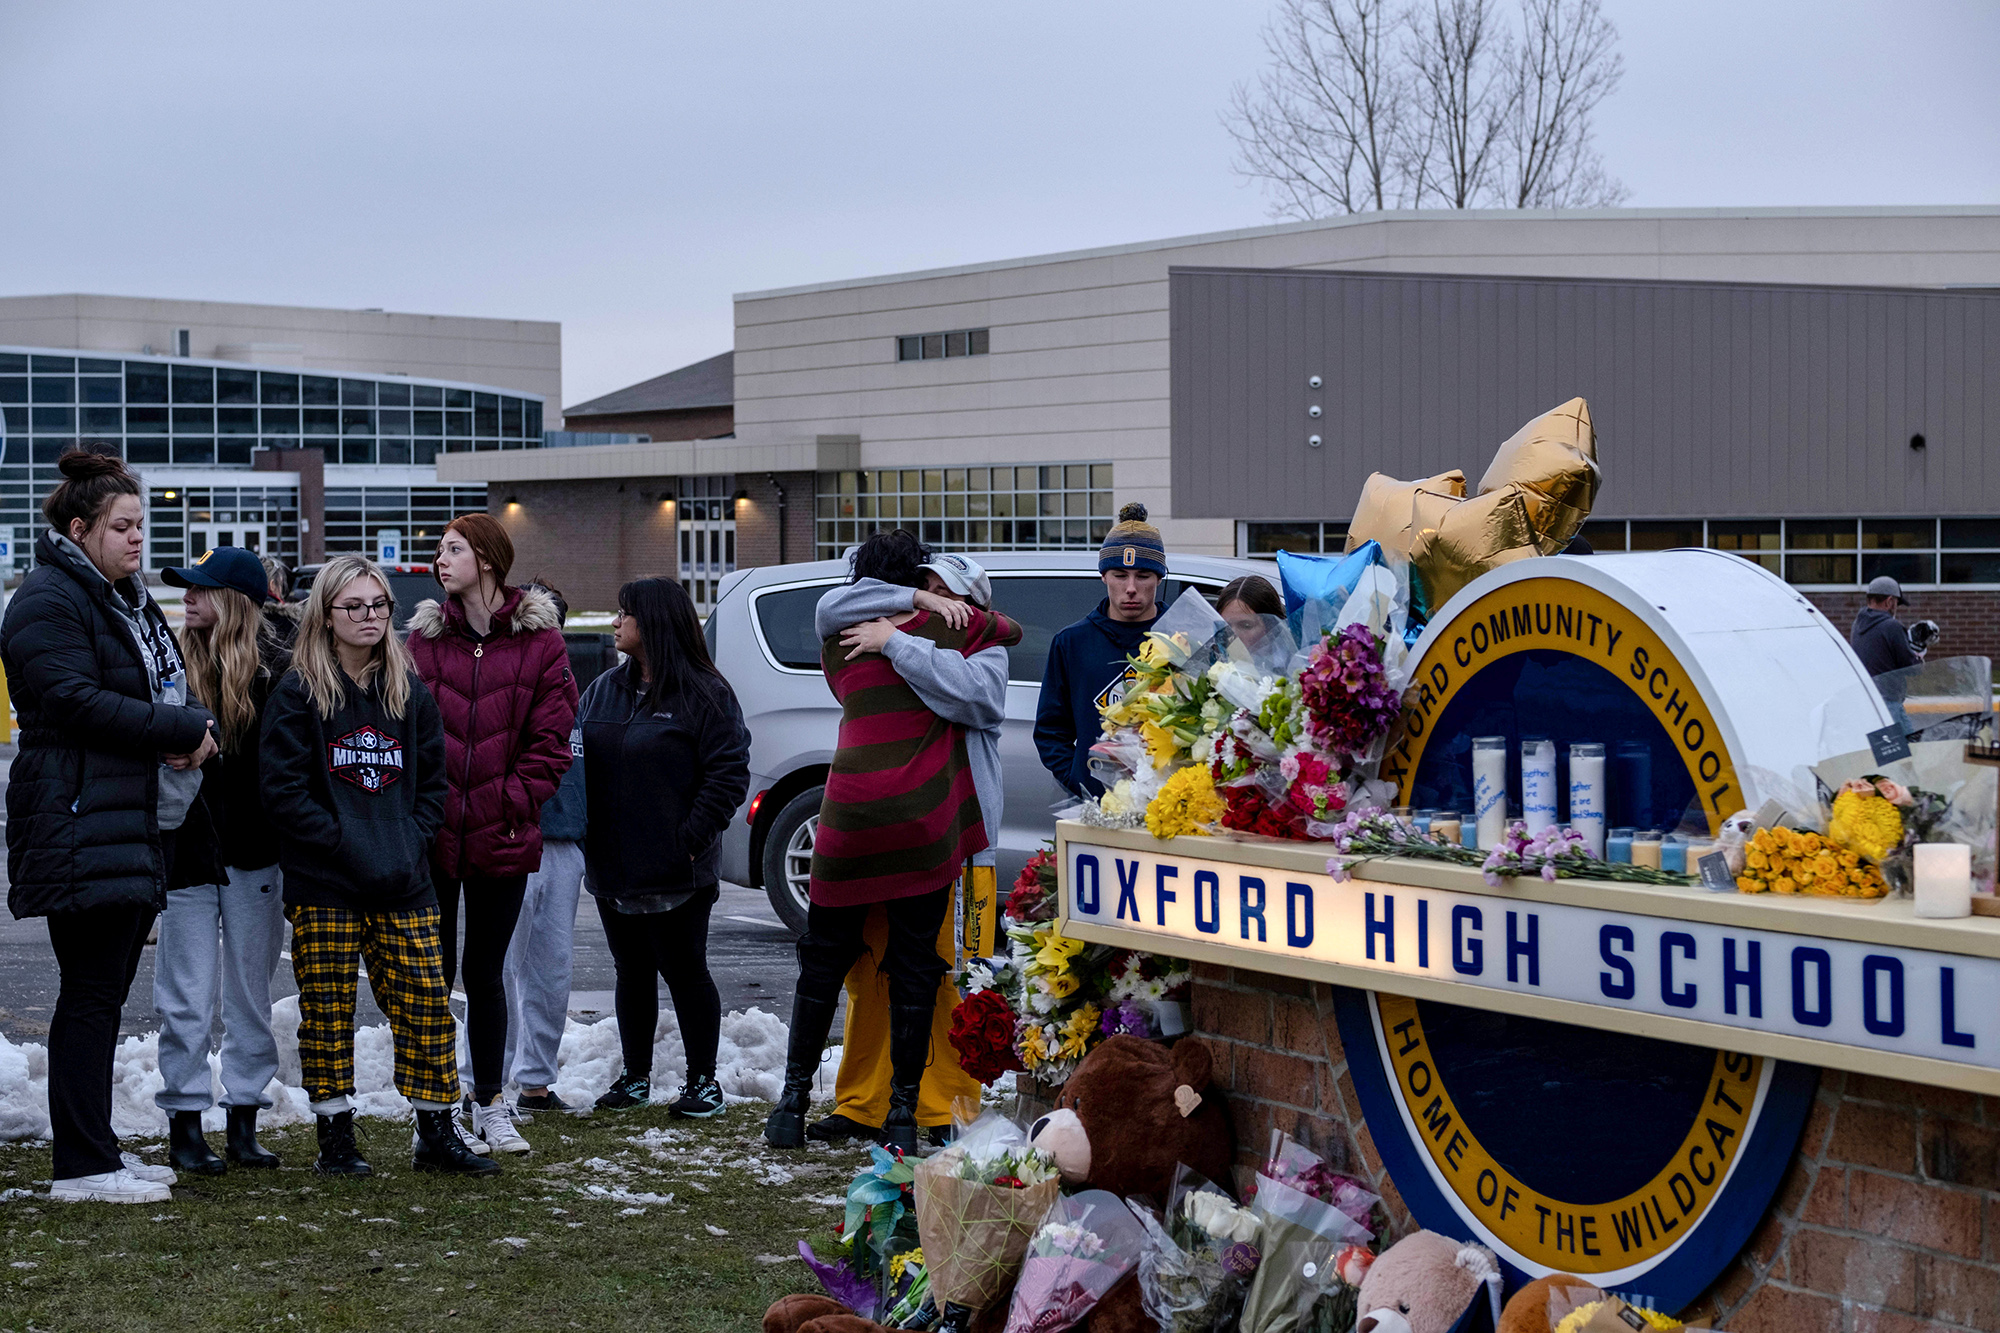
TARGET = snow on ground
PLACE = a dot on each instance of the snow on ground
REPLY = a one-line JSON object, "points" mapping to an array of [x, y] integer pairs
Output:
{"points": [[750, 1065]]}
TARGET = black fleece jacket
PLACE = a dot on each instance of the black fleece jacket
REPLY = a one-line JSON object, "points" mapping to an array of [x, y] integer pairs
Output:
{"points": [[232, 785], [355, 797]]}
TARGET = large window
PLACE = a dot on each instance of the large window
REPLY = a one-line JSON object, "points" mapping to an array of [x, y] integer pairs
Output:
{"points": [[359, 519], [1306, 536], [1046, 507], [159, 412]]}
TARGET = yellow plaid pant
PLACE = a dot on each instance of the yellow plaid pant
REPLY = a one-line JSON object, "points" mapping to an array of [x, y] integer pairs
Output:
{"points": [[861, 1088], [406, 974]]}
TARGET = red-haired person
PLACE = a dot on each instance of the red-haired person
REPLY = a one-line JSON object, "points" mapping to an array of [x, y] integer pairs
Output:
{"points": [[493, 656]]}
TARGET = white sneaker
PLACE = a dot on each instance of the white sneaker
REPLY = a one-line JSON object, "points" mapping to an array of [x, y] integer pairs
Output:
{"points": [[472, 1145], [119, 1186], [494, 1125], [159, 1175]]}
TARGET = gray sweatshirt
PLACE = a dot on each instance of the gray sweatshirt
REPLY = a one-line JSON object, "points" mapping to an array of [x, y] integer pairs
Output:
{"points": [[969, 691]]}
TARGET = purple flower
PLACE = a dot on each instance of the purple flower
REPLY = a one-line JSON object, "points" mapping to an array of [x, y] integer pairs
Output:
{"points": [[1338, 869], [1549, 871], [1492, 880]]}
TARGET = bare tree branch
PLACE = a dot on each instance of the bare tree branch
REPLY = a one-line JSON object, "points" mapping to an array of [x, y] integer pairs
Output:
{"points": [[1566, 65], [1464, 68], [1323, 127]]}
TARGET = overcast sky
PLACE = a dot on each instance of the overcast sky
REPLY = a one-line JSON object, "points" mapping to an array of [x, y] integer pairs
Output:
{"points": [[623, 166]]}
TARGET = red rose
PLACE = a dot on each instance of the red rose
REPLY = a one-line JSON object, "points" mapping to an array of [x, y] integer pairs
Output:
{"points": [[982, 1032]]}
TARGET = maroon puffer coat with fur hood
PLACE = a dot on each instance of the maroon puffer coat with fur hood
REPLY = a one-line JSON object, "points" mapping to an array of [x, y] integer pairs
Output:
{"points": [[508, 703]]}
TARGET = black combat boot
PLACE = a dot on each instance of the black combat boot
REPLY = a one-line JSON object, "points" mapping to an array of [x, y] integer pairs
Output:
{"points": [[811, 1021], [337, 1154], [241, 1144], [187, 1149], [909, 1052], [440, 1149]]}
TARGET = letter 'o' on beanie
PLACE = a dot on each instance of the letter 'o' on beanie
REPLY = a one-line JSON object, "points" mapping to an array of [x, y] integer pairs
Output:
{"points": [[1133, 543]]}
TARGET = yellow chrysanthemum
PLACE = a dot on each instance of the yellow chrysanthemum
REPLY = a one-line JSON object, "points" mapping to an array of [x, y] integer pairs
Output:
{"points": [[1185, 804], [1034, 1053], [1867, 825]]}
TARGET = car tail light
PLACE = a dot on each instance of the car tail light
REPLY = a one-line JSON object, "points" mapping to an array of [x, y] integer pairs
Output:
{"points": [[756, 804]]}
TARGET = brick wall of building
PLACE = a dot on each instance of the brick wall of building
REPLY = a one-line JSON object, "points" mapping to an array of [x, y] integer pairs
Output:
{"points": [[588, 537], [1970, 620], [1888, 1220], [757, 519]]}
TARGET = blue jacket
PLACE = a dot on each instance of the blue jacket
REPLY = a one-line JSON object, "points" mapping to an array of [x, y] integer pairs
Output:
{"points": [[1085, 661], [563, 813]]}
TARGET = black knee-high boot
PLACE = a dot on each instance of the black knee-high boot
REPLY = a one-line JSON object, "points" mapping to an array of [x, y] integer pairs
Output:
{"points": [[811, 1021], [909, 1053]]}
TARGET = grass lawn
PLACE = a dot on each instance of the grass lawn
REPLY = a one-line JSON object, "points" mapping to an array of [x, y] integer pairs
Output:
{"points": [[618, 1222]]}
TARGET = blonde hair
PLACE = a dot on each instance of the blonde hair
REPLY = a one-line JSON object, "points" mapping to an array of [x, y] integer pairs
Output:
{"points": [[223, 662], [317, 660]]}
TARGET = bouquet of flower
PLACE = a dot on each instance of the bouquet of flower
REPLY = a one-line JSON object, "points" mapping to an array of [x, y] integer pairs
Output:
{"points": [[1192, 1275], [978, 1202], [1033, 897], [1084, 1247], [1349, 703], [1782, 860], [880, 1225], [1882, 821], [982, 1032], [1291, 1163], [1554, 853], [1330, 1296], [1312, 786], [1302, 1237], [1187, 804]]}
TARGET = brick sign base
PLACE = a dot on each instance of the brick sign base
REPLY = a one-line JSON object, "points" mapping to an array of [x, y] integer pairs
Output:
{"points": [[1888, 1220]]}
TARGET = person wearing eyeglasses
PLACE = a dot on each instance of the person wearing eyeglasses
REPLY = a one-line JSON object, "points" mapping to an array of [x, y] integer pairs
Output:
{"points": [[353, 767], [494, 656]]}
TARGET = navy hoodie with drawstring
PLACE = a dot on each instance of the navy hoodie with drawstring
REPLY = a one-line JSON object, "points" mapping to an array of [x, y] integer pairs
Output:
{"points": [[1086, 662]]}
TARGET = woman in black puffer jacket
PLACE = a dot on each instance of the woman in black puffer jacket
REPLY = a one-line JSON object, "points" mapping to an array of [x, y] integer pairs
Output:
{"points": [[106, 778]]}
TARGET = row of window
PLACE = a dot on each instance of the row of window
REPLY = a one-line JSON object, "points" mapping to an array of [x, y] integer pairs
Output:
{"points": [[234, 450], [482, 423], [1811, 552], [1055, 506], [62, 379], [936, 346]]}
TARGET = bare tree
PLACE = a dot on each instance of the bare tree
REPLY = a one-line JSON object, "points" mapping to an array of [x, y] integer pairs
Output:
{"points": [[1366, 106], [1566, 65], [1324, 125], [1464, 68]]}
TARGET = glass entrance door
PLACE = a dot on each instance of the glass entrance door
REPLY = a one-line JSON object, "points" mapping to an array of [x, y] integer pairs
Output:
{"points": [[706, 519], [205, 537]]}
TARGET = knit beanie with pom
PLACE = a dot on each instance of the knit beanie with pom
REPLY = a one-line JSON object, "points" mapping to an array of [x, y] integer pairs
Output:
{"points": [[1133, 543]]}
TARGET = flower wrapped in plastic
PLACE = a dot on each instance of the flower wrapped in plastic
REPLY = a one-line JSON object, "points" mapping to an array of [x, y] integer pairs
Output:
{"points": [[1302, 1237], [1290, 1162], [1084, 1247], [978, 1203], [1348, 700], [1197, 1264]]}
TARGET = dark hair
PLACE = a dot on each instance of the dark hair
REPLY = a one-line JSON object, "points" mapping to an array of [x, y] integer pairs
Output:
{"points": [[555, 595], [895, 556], [489, 542], [1254, 591], [676, 650], [91, 481]]}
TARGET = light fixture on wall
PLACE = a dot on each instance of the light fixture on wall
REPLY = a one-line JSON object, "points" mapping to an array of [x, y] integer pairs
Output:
{"points": [[172, 495], [513, 502], [740, 496]]}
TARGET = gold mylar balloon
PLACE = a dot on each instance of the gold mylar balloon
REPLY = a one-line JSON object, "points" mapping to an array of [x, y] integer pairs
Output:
{"points": [[1383, 512], [1453, 542], [1554, 460]]}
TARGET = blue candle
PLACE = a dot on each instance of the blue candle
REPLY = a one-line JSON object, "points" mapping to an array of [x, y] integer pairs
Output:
{"points": [[1422, 820], [1618, 847], [1468, 836], [1673, 855]]}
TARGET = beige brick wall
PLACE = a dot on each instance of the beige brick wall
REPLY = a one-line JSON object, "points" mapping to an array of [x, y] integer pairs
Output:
{"points": [[587, 537]]}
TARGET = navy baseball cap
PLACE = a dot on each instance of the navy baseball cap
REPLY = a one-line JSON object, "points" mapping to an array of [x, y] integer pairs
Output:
{"points": [[224, 567]]}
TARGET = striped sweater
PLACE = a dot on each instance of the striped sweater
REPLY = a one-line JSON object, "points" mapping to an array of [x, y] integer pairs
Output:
{"points": [[901, 814]]}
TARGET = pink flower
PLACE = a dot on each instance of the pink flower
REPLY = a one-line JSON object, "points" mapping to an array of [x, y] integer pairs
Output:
{"points": [[1893, 792], [1549, 871], [1492, 879]]}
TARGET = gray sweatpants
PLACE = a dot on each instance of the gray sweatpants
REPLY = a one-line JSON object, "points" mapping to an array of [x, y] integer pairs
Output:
{"points": [[537, 970], [192, 970]]}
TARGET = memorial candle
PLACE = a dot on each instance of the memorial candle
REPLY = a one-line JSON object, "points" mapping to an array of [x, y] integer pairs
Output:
{"points": [[1587, 805], [1618, 847], [1444, 827], [1538, 783], [1646, 850], [1489, 789], [1943, 879]]}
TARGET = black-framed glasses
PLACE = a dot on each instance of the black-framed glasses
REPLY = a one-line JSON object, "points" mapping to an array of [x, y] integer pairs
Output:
{"points": [[364, 611]]}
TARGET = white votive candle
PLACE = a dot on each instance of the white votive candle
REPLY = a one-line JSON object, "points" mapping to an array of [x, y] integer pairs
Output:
{"points": [[1587, 803], [1489, 788], [1538, 784], [1944, 879]]}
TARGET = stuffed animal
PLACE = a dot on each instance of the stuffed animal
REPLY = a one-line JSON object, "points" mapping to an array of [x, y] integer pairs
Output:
{"points": [[1128, 1116], [1734, 838], [1528, 1309], [1424, 1283]]}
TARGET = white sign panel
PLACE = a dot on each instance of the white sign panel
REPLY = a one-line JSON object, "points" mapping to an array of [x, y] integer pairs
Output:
{"points": [[1911, 1002]]}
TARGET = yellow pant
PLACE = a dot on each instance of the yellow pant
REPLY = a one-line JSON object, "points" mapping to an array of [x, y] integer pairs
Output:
{"points": [[861, 1089]]}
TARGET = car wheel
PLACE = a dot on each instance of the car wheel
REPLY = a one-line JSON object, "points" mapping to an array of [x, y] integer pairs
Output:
{"points": [[788, 857]]}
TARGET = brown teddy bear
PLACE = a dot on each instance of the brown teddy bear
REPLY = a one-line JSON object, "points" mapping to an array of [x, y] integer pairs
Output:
{"points": [[1131, 1113]]}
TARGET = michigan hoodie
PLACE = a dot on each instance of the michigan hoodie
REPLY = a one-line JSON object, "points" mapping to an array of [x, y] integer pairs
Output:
{"points": [[355, 797]]}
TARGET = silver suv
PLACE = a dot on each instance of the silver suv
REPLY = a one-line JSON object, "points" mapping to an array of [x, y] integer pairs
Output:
{"points": [[761, 635]]}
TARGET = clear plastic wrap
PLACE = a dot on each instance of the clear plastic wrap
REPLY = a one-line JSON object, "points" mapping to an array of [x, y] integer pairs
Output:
{"points": [[1301, 1236], [1084, 1247]]}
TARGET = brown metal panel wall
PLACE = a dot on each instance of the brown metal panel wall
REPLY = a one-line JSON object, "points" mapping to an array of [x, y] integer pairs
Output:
{"points": [[1711, 399]]}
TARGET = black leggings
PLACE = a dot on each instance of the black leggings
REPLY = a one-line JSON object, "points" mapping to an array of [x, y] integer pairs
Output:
{"points": [[833, 941], [97, 953], [648, 946], [492, 906]]}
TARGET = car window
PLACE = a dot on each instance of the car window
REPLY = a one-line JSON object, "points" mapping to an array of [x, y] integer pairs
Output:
{"points": [[1045, 604], [786, 617], [408, 590]]}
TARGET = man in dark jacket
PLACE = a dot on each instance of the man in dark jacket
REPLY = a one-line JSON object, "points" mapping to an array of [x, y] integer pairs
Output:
{"points": [[1879, 639], [1087, 667]]}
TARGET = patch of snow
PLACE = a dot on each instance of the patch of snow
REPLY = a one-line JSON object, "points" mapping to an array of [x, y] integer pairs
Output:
{"points": [[714, 1230], [750, 1065]]}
